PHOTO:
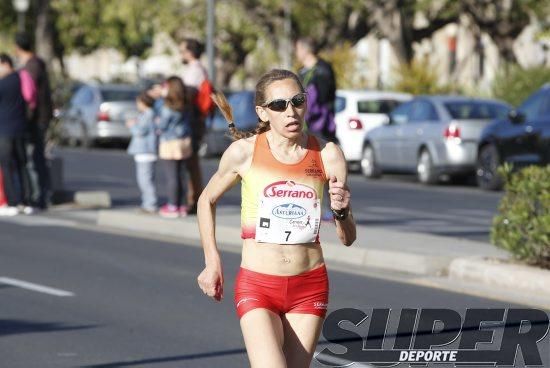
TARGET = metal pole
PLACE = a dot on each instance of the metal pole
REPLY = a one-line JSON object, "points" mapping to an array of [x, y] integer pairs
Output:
{"points": [[287, 53], [210, 30], [20, 22]]}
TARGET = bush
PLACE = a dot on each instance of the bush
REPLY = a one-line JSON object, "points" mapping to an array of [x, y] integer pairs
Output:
{"points": [[523, 224], [514, 84], [420, 78]]}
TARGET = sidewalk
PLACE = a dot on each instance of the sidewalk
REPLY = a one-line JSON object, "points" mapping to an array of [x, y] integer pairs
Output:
{"points": [[433, 257]]}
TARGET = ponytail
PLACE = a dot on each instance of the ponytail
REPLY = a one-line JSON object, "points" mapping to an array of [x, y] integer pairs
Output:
{"points": [[227, 112]]}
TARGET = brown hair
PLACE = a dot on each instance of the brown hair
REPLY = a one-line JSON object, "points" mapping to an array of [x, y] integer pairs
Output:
{"points": [[146, 99], [176, 99], [260, 99]]}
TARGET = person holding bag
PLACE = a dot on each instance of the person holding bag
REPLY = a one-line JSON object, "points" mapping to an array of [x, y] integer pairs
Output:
{"points": [[175, 144]]}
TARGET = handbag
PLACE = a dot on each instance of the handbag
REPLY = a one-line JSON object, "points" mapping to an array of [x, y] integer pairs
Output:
{"points": [[176, 149]]}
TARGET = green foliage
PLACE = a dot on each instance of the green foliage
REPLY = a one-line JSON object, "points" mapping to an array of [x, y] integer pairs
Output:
{"points": [[343, 59], [418, 78], [514, 84], [523, 223]]}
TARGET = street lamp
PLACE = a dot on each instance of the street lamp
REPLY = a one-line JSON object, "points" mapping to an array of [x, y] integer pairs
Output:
{"points": [[21, 6]]}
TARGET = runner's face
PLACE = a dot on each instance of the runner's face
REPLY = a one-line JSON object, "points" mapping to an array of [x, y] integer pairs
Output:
{"points": [[287, 123]]}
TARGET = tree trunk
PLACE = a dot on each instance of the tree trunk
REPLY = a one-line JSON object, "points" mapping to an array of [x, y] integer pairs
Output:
{"points": [[44, 31]]}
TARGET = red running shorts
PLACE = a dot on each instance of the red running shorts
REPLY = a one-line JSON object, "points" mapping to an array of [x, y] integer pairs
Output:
{"points": [[304, 293]]}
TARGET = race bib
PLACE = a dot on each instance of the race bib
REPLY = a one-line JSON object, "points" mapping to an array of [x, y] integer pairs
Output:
{"points": [[288, 213]]}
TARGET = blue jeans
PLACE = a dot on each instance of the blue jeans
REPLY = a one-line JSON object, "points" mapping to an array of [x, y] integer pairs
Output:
{"points": [[145, 174]]}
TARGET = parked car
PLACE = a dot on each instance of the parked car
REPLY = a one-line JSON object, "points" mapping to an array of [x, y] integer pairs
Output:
{"points": [[357, 112], [98, 112], [430, 136], [217, 137], [522, 138]]}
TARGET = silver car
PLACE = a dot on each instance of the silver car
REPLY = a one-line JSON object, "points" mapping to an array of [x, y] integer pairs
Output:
{"points": [[430, 136], [99, 113]]}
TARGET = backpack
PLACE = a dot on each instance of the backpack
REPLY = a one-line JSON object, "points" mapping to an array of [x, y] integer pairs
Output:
{"points": [[28, 88], [204, 101]]}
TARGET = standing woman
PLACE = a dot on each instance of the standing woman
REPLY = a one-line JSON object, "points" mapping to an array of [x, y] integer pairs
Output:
{"points": [[175, 144], [281, 291]]}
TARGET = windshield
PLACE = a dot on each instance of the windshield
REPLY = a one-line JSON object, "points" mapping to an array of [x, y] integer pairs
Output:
{"points": [[476, 110], [119, 94], [376, 106]]}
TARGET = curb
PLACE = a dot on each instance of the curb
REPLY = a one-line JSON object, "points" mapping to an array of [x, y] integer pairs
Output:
{"points": [[392, 260], [90, 199], [502, 274]]}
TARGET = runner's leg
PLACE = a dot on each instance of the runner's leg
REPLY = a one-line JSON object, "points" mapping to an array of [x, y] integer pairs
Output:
{"points": [[263, 336], [301, 333]]}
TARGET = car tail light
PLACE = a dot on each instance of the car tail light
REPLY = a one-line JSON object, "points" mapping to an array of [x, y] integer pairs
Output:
{"points": [[452, 132], [103, 116], [355, 123]]}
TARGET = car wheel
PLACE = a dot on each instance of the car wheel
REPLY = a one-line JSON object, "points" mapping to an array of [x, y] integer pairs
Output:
{"points": [[425, 169], [369, 167], [486, 171]]}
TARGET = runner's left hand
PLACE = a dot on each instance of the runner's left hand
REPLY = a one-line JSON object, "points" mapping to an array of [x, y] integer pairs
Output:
{"points": [[339, 194]]}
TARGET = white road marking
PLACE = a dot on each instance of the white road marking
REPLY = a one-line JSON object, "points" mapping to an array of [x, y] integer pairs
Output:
{"points": [[34, 287]]}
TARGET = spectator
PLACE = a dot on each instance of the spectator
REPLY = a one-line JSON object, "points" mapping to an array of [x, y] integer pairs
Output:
{"points": [[143, 147], [175, 144], [196, 78], [318, 78], [13, 124], [39, 121]]}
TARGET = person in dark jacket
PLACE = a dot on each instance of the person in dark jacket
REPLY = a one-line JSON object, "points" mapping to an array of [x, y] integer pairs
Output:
{"points": [[39, 122], [318, 79], [12, 148]]}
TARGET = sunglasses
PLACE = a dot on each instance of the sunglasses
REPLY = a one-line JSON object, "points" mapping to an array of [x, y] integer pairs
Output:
{"points": [[280, 104]]}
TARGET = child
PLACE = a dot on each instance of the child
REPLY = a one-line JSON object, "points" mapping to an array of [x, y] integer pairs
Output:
{"points": [[143, 147]]}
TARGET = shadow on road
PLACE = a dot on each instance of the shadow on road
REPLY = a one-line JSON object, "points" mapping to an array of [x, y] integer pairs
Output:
{"points": [[16, 326]]}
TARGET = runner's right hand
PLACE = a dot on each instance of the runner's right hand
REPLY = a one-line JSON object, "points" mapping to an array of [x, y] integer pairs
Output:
{"points": [[211, 282]]}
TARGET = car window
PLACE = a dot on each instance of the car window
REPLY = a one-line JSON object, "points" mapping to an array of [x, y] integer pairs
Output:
{"points": [[83, 96], [119, 94], [533, 107], [401, 114], [423, 111], [340, 104], [376, 106], [545, 110], [476, 110]]}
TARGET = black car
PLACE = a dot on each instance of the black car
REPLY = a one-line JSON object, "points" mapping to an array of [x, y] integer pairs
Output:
{"points": [[522, 139]]}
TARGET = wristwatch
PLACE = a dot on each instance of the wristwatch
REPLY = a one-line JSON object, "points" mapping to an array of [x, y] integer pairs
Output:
{"points": [[340, 215]]}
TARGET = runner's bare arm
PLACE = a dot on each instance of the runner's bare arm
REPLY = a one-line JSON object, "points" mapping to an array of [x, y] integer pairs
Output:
{"points": [[339, 193], [228, 174]]}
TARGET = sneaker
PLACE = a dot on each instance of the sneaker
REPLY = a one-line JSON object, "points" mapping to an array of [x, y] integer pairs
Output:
{"points": [[28, 210], [183, 211], [9, 211], [169, 211], [192, 210], [147, 211]]}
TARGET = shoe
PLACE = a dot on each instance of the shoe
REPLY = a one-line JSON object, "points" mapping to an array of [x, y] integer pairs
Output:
{"points": [[169, 211], [8, 211], [28, 210], [192, 210], [183, 211], [147, 211]]}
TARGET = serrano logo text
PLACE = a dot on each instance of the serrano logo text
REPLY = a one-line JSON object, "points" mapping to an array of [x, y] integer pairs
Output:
{"points": [[289, 189], [289, 211]]}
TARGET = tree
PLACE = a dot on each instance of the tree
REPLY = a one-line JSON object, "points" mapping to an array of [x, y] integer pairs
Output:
{"points": [[504, 20]]}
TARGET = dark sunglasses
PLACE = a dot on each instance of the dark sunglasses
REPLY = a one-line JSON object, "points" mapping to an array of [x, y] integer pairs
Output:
{"points": [[280, 104]]}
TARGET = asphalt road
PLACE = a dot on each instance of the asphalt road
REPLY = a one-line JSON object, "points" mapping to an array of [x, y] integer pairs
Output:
{"points": [[132, 302], [396, 202]]}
